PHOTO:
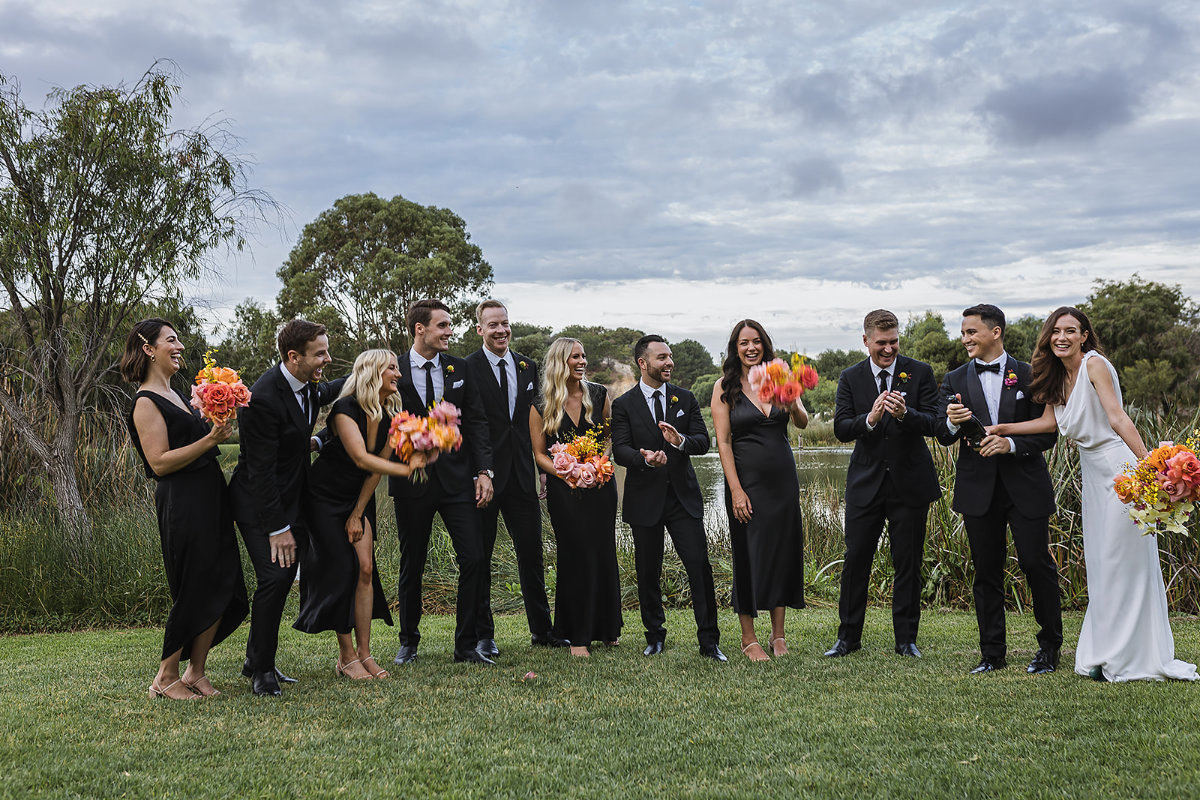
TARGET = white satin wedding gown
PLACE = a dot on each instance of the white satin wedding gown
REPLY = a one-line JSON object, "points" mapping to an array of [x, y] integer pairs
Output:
{"points": [[1126, 631]]}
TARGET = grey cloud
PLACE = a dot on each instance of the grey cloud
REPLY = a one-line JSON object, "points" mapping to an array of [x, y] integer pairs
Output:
{"points": [[1060, 106], [820, 98], [811, 175]]}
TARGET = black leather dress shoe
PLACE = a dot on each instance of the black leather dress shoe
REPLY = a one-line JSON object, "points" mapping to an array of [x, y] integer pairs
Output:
{"points": [[842, 648], [279, 676], [487, 647], [908, 649], [1045, 661], [547, 640], [406, 654], [989, 665], [472, 657], [265, 684], [713, 652], [653, 649]]}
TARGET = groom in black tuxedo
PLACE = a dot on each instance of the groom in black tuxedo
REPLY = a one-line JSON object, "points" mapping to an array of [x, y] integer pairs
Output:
{"points": [[656, 428], [459, 483], [885, 405], [508, 383], [1001, 482], [270, 480]]}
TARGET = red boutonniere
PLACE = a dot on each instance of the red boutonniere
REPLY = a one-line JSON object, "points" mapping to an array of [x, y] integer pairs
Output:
{"points": [[1010, 378], [523, 365], [674, 399], [903, 378], [449, 369]]}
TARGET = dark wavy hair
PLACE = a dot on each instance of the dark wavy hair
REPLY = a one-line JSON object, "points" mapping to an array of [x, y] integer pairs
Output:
{"points": [[134, 361], [731, 367], [1049, 381]]}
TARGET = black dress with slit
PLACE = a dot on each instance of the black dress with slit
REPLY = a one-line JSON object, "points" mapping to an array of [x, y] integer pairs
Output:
{"points": [[329, 570], [768, 552], [195, 526]]}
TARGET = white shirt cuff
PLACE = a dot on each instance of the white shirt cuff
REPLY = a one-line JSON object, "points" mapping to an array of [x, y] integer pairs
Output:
{"points": [[281, 530]]}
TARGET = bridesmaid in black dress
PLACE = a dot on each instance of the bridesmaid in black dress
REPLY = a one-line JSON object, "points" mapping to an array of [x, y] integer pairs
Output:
{"points": [[195, 519], [339, 586], [762, 493], [587, 595]]}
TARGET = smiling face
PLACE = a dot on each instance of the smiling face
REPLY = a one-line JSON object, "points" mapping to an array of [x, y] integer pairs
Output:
{"points": [[577, 362], [656, 364], [1067, 337], [981, 342], [883, 345], [433, 338], [167, 351], [749, 347], [494, 327], [389, 378], [309, 365]]}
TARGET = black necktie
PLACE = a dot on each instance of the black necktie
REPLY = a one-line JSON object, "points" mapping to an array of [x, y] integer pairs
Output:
{"points": [[658, 409], [883, 376], [503, 365], [429, 398], [310, 398], [988, 367]]}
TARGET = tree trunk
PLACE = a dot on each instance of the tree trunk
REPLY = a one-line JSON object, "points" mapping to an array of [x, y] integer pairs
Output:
{"points": [[77, 528]]}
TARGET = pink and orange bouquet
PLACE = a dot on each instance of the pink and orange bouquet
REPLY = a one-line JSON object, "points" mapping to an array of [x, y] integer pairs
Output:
{"points": [[438, 432], [779, 383], [219, 392], [581, 462], [1163, 488]]}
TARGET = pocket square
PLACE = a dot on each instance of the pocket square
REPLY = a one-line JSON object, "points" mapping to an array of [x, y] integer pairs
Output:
{"points": [[456, 384], [1020, 394], [529, 388], [680, 414]]}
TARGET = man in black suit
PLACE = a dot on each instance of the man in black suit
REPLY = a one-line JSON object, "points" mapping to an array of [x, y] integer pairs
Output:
{"points": [[1001, 481], [508, 383], [270, 480], [459, 483], [885, 405], [656, 428]]}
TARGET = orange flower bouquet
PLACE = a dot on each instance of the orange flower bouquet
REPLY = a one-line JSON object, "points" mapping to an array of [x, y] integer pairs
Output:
{"points": [[581, 462], [219, 392], [1163, 488], [779, 383], [438, 432]]}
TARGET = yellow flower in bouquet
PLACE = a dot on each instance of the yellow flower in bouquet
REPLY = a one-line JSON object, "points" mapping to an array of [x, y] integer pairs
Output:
{"points": [[437, 432], [581, 462], [1162, 489], [779, 383], [218, 392]]}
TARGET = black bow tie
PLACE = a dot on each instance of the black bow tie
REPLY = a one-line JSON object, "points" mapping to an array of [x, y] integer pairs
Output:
{"points": [[988, 367]]}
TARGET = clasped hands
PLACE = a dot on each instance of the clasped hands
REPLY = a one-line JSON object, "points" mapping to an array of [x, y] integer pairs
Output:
{"points": [[658, 458], [891, 402]]}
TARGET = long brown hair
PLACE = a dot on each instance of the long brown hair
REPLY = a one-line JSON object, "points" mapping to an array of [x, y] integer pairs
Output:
{"points": [[134, 361], [1049, 382], [731, 367]]}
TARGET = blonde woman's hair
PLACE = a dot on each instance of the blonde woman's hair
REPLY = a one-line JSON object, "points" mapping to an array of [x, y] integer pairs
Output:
{"points": [[554, 386], [365, 379]]}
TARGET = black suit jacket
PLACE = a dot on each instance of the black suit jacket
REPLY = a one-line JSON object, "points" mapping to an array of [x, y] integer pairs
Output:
{"points": [[634, 428], [1023, 471], [269, 481], [512, 452], [894, 448], [454, 471]]}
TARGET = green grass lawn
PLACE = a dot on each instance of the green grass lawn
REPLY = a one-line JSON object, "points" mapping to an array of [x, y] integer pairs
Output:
{"points": [[76, 721]]}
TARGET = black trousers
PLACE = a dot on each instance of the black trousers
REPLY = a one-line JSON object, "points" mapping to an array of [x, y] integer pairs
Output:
{"points": [[906, 536], [687, 533], [523, 520], [414, 523], [270, 595], [989, 552]]}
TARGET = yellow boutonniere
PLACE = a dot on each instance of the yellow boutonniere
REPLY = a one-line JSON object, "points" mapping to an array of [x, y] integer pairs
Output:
{"points": [[902, 377], [674, 399], [523, 365], [450, 369]]}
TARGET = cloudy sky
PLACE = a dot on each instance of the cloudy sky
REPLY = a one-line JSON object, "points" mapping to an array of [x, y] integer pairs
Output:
{"points": [[676, 166]]}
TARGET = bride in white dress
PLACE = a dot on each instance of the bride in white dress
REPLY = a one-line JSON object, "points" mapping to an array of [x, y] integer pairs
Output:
{"points": [[1126, 635]]}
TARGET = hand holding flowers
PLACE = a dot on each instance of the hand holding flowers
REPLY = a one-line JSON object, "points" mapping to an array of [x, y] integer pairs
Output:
{"points": [[417, 440], [779, 384], [218, 393], [1162, 489]]}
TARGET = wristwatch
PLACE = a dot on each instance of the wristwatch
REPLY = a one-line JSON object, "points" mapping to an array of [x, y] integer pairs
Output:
{"points": [[487, 472]]}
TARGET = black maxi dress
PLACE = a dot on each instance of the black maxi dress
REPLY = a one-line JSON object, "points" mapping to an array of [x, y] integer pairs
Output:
{"points": [[587, 594], [195, 526], [768, 552], [329, 570]]}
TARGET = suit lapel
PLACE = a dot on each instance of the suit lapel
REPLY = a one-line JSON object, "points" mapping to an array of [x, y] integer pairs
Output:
{"points": [[978, 402], [289, 399], [1007, 407], [408, 393], [870, 388]]}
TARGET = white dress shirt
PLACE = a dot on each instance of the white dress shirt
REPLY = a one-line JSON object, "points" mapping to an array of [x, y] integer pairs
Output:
{"points": [[511, 369], [417, 364], [648, 392]]}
